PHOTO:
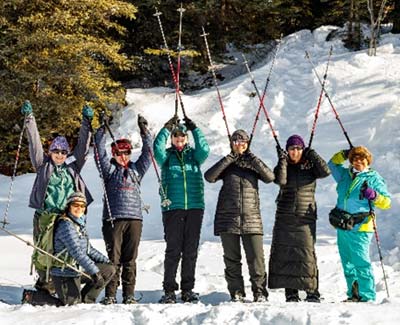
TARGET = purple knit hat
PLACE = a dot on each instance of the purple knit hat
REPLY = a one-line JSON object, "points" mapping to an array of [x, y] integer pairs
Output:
{"points": [[59, 143], [295, 140]]}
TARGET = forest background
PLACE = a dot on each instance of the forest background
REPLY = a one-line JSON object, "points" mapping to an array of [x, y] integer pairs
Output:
{"points": [[62, 54]]}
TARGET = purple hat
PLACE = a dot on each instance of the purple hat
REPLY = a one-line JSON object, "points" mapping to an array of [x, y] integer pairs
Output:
{"points": [[59, 143], [295, 140]]}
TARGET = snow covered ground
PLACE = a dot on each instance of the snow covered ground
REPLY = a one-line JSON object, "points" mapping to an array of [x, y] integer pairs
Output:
{"points": [[366, 93]]}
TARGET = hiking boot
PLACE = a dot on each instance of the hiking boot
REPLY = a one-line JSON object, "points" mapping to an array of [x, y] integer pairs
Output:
{"points": [[292, 298], [258, 297], [311, 297], [130, 300], [168, 298], [189, 296], [27, 296], [237, 297], [108, 301]]}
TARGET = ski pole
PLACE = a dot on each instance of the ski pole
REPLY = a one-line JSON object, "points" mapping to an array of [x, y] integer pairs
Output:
{"points": [[265, 91], [320, 98], [165, 202], [133, 176], [215, 81], [330, 101], [46, 253], [5, 217], [181, 10], [171, 67], [261, 105], [103, 184]]}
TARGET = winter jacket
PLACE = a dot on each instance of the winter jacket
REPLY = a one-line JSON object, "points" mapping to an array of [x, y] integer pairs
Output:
{"points": [[182, 180], [293, 262], [123, 183], [238, 207], [71, 237], [45, 167], [349, 189]]}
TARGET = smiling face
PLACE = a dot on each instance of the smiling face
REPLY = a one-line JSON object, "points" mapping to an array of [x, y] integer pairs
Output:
{"points": [[122, 157], [239, 146], [359, 162], [58, 156], [179, 140], [77, 209], [295, 153]]}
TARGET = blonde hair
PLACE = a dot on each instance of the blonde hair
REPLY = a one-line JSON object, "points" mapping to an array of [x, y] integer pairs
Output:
{"points": [[362, 152]]}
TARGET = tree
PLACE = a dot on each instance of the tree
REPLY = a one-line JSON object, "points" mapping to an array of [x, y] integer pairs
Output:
{"points": [[375, 24], [59, 54]]}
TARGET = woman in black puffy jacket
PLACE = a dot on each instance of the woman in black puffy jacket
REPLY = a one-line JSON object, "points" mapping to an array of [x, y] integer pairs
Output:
{"points": [[238, 218], [293, 263]]}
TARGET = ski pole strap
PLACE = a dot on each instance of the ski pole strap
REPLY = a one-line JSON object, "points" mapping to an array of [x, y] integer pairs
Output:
{"points": [[261, 105], [5, 217], [329, 100], [46, 253], [171, 67], [204, 35], [320, 98]]}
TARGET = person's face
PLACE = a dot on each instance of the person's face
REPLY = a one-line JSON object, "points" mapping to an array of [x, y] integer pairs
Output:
{"points": [[360, 163], [239, 146], [179, 139], [122, 157], [77, 209], [58, 156], [295, 153]]}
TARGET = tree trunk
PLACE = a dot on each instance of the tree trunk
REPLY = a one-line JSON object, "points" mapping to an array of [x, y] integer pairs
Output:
{"points": [[396, 17]]}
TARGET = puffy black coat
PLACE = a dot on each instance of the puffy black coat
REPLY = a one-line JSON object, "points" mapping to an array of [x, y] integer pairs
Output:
{"points": [[293, 262], [238, 208]]}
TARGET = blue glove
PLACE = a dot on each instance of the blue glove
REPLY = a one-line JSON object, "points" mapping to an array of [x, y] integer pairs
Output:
{"points": [[87, 112], [369, 193], [26, 108]]}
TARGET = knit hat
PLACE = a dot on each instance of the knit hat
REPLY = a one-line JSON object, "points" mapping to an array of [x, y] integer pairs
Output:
{"points": [[295, 140], [360, 151], [179, 128], [59, 143], [76, 197], [121, 145], [240, 135]]}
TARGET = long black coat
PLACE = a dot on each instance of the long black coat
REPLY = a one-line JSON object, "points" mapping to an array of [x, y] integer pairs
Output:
{"points": [[293, 262], [238, 208]]}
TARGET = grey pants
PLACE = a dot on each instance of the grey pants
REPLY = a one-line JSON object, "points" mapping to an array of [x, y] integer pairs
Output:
{"points": [[253, 247]]}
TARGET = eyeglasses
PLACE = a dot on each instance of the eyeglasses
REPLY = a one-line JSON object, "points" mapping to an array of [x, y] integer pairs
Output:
{"points": [[295, 148], [239, 142], [57, 152], [125, 153], [77, 205]]}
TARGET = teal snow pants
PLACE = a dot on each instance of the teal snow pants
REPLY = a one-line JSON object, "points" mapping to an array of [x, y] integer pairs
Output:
{"points": [[354, 253]]}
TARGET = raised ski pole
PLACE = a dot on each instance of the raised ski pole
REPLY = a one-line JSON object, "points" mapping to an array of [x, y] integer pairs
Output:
{"points": [[165, 202], [181, 10], [133, 176], [320, 98], [261, 105], [46, 253], [103, 184], [330, 101], [5, 217], [204, 35], [171, 67], [265, 89]]}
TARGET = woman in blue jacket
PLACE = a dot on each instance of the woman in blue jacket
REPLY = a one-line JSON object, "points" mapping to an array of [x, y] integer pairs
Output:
{"points": [[360, 189]]}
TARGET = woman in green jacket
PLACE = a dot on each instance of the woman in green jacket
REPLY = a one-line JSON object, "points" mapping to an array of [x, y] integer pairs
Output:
{"points": [[182, 184]]}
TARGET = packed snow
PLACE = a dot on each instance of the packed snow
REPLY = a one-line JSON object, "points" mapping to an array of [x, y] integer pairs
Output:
{"points": [[366, 94]]}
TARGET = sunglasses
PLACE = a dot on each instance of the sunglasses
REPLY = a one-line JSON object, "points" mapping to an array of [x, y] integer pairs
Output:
{"points": [[239, 142], [295, 148], [125, 153], [57, 152], [78, 205]]}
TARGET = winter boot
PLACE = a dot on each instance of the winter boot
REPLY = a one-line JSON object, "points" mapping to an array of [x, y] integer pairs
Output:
{"points": [[259, 297], [129, 300], [312, 297], [168, 298], [108, 301], [292, 295], [189, 296], [237, 296]]}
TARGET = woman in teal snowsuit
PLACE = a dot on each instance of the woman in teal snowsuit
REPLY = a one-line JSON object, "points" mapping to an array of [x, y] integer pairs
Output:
{"points": [[360, 189], [183, 186]]}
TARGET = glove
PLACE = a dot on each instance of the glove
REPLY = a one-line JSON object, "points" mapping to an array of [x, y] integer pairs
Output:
{"points": [[87, 112], [345, 153], [282, 154], [142, 123], [309, 153], [232, 156], [26, 108], [190, 124], [98, 280], [368, 193], [171, 123]]}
